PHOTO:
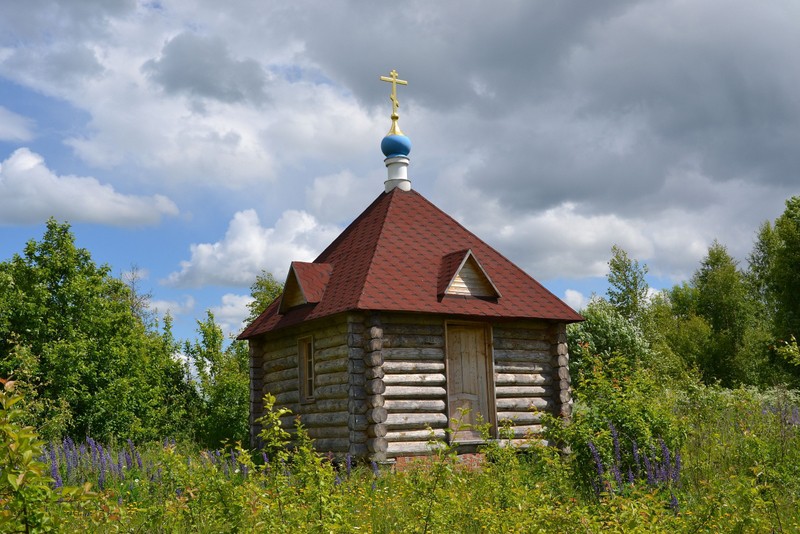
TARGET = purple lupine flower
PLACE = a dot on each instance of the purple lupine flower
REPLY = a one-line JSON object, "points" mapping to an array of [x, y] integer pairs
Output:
{"points": [[348, 463], [597, 461], [138, 458], [101, 477], [673, 503], [93, 449], [617, 476], [636, 459], [68, 466], [375, 470], [631, 479], [245, 470], [82, 455], [54, 468], [667, 460], [615, 440], [648, 468], [337, 480], [233, 460], [676, 472], [120, 471], [265, 457]]}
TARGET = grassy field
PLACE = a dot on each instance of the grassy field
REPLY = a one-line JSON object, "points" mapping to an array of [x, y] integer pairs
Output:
{"points": [[737, 469]]}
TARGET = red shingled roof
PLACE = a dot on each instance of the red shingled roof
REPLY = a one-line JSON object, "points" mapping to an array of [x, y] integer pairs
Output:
{"points": [[391, 258], [313, 278]]}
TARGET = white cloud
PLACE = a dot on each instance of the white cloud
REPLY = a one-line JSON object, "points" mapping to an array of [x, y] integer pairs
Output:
{"points": [[575, 299], [248, 247], [30, 192], [340, 197], [14, 127], [232, 312], [173, 307]]}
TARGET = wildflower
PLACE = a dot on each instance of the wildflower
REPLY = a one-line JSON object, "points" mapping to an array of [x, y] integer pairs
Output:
{"points": [[673, 503], [676, 473], [101, 477], [648, 467], [615, 440], [54, 467], [667, 459], [375, 470], [597, 461], [120, 471], [617, 475]]}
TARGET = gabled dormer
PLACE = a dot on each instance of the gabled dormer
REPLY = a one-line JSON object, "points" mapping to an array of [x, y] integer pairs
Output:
{"points": [[463, 275], [305, 284]]}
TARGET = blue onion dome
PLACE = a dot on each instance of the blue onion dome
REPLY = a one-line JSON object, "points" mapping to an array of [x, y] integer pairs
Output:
{"points": [[394, 145]]}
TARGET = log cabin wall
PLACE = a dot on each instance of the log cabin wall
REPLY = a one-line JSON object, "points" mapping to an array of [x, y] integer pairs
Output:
{"points": [[381, 380], [275, 358], [415, 397], [526, 373]]}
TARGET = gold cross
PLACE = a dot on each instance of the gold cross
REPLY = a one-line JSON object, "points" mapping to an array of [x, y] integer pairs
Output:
{"points": [[394, 81]]}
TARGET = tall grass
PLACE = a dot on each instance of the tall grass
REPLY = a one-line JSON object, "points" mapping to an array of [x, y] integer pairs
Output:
{"points": [[737, 470]]}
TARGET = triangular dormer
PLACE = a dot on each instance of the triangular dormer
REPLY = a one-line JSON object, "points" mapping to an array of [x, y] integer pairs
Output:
{"points": [[462, 275], [305, 284]]}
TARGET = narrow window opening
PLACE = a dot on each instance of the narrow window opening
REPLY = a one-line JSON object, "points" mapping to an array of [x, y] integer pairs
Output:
{"points": [[305, 349]]}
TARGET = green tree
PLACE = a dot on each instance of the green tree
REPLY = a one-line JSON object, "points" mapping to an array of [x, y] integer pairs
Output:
{"points": [[89, 363], [224, 383], [627, 290], [604, 333], [264, 290], [722, 300], [780, 267]]}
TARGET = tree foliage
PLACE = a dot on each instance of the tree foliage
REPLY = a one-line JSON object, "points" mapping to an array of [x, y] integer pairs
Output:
{"points": [[264, 290], [90, 364], [775, 262], [627, 290], [224, 381]]}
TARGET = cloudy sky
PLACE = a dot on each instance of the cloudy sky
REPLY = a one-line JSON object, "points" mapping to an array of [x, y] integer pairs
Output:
{"points": [[204, 141]]}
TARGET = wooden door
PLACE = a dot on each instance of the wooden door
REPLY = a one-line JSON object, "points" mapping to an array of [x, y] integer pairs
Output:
{"points": [[468, 388]]}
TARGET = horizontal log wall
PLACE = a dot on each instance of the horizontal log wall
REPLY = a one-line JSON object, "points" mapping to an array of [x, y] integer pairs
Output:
{"points": [[526, 379], [381, 386], [275, 357], [415, 383]]}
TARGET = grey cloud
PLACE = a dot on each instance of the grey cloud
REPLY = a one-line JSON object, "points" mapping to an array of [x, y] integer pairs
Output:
{"points": [[203, 67], [515, 51], [67, 65], [32, 20]]}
